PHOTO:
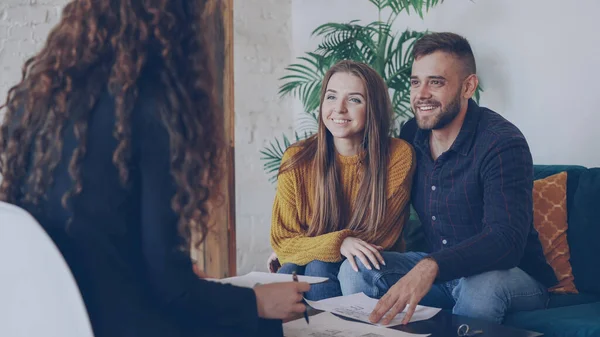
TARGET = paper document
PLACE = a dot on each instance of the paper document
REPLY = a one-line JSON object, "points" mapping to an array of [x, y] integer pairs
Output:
{"points": [[359, 306], [253, 278], [327, 325]]}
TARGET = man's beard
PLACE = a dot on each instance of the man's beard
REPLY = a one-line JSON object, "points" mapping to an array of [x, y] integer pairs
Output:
{"points": [[443, 118]]}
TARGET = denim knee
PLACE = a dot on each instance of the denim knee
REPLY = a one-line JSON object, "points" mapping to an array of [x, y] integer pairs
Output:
{"points": [[492, 294], [375, 283], [289, 268], [361, 281], [327, 289], [322, 269]]}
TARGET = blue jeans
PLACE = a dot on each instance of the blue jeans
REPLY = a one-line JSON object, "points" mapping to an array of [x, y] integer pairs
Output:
{"points": [[489, 295], [319, 291]]}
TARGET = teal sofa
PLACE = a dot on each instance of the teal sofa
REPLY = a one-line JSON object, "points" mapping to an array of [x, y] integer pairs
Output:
{"points": [[572, 315], [576, 315]]}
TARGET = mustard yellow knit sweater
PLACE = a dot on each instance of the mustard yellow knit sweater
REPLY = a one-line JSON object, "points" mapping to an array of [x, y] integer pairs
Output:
{"points": [[294, 200]]}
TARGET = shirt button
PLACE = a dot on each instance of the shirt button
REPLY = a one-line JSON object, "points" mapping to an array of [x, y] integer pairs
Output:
{"points": [[433, 218], [433, 188], [444, 241]]}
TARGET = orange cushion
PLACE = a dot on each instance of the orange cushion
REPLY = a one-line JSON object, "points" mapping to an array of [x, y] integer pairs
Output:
{"points": [[550, 220]]}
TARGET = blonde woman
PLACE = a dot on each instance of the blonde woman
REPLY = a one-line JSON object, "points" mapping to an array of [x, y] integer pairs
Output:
{"points": [[344, 192]]}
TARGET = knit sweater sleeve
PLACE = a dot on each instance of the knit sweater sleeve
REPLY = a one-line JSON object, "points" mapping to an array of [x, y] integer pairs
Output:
{"points": [[400, 175], [288, 236]]}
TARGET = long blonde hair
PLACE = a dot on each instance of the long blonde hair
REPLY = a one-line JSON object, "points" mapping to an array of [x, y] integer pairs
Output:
{"points": [[329, 212]]}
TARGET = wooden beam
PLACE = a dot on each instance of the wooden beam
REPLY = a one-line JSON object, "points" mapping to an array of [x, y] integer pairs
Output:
{"points": [[229, 106], [217, 255]]}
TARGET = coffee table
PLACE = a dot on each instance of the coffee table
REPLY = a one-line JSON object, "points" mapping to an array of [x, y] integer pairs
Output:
{"points": [[445, 324]]}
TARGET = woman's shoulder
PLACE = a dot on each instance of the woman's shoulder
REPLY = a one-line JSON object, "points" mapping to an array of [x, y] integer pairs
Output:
{"points": [[402, 163], [292, 174], [296, 148], [296, 163], [291, 151], [400, 151]]}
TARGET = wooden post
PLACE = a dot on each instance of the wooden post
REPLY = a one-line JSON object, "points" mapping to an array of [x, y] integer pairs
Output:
{"points": [[217, 255]]}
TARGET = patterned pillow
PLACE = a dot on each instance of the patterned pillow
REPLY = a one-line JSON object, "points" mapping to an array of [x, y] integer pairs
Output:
{"points": [[550, 220]]}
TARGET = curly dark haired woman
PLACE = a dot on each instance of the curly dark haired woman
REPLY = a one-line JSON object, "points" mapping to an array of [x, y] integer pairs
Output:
{"points": [[110, 141]]}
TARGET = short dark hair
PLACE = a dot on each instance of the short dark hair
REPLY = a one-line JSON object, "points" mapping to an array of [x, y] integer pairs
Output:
{"points": [[447, 42]]}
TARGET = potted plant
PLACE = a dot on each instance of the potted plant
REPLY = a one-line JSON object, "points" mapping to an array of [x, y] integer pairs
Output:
{"points": [[388, 52]]}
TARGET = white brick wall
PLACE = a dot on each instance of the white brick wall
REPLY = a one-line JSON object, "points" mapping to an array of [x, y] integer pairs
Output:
{"points": [[24, 25], [262, 47]]}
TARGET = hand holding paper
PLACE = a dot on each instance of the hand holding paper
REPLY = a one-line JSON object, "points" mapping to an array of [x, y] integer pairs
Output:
{"points": [[280, 300], [277, 295]]}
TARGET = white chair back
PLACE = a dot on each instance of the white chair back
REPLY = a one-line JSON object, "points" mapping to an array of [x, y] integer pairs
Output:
{"points": [[38, 294]]}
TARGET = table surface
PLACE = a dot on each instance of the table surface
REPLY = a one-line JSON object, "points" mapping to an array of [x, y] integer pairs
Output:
{"points": [[445, 324]]}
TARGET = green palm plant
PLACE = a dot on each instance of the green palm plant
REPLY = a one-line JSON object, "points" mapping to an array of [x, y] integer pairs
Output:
{"points": [[389, 53]]}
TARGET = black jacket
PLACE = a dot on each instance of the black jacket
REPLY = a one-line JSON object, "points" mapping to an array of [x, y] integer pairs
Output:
{"points": [[122, 243]]}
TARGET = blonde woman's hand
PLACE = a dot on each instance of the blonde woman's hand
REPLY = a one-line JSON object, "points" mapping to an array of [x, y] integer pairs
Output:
{"points": [[281, 300], [367, 253]]}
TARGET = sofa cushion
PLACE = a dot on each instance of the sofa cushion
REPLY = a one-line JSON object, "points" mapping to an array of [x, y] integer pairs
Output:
{"points": [[543, 171], [576, 321], [584, 232], [563, 300], [573, 173], [583, 201], [550, 220]]}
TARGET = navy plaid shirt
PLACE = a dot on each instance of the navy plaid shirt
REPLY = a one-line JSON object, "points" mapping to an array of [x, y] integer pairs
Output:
{"points": [[475, 201]]}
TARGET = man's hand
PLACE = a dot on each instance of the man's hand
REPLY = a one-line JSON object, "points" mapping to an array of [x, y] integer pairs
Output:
{"points": [[408, 290]]}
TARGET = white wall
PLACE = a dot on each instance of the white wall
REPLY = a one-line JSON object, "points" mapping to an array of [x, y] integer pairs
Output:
{"points": [[262, 49], [24, 25], [537, 61]]}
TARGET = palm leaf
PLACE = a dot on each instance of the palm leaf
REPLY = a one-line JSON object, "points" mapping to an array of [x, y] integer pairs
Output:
{"points": [[308, 123], [345, 41], [273, 153], [477, 94], [431, 3], [419, 6], [383, 36], [401, 104], [304, 80], [399, 56], [397, 69], [380, 4]]}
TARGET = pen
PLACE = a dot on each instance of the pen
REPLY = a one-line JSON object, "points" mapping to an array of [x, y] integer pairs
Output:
{"points": [[295, 277]]}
